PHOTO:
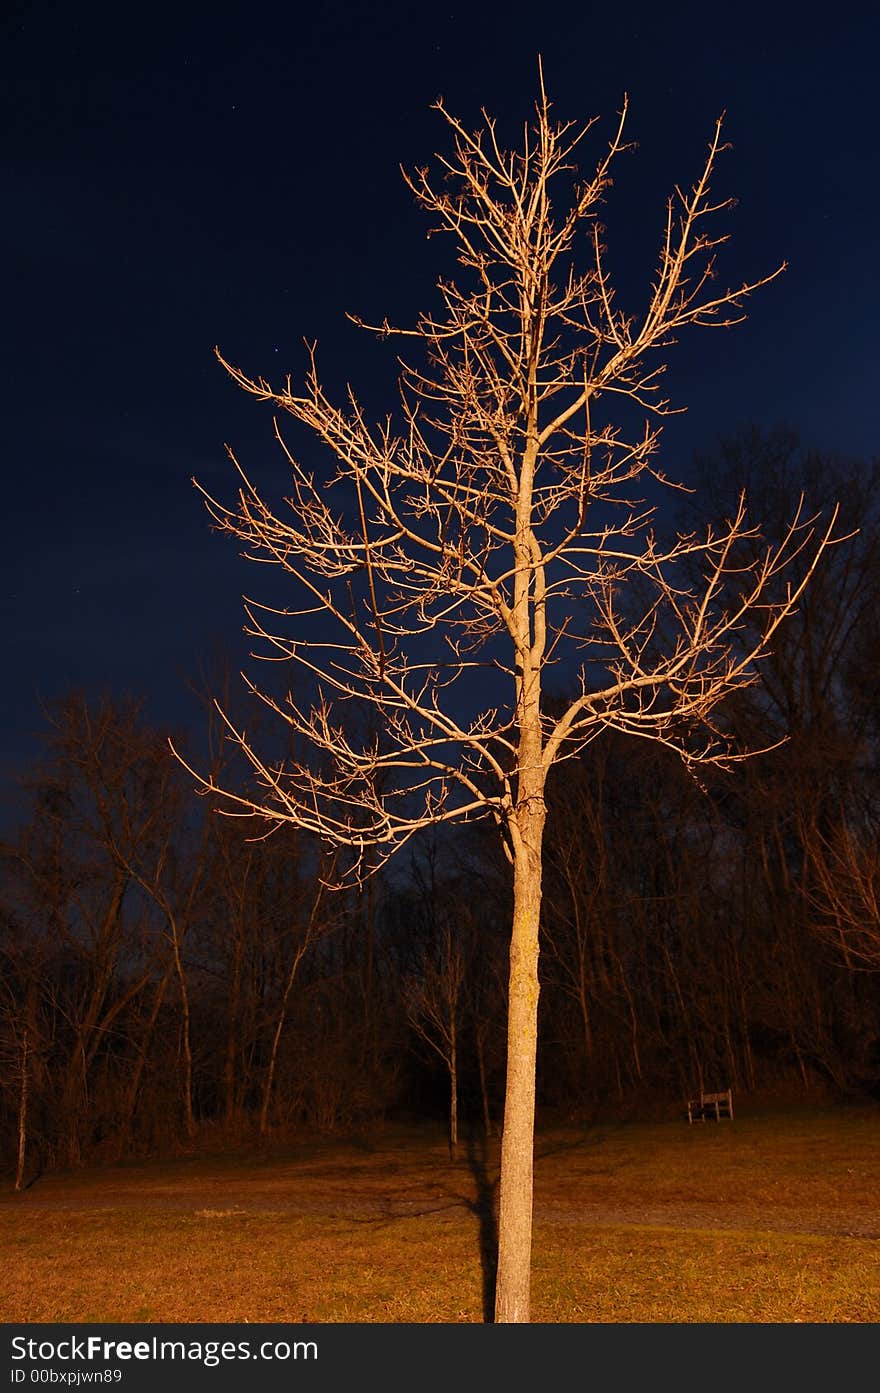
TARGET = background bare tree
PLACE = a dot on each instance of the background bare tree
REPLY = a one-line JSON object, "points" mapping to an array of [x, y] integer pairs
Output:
{"points": [[805, 819], [433, 988], [432, 993], [22, 1042], [844, 889], [99, 799], [504, 525]]}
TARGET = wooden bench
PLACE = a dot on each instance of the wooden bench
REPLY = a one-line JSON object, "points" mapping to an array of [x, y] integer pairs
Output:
{"points": [[715, 1105]]}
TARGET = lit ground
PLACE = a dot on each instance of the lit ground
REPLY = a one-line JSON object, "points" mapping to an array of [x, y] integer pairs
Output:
{"points": [[768, 1218]]}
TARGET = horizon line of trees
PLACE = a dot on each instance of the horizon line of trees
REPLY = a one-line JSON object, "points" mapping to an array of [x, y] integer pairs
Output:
{"points": [[164, 977]]}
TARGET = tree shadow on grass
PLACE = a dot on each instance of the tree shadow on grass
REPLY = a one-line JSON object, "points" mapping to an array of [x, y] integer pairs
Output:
{"points": [[590, 1138], [483, 1208]]}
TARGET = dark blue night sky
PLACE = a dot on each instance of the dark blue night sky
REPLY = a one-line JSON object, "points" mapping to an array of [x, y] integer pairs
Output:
{"points": [[184, 176]]}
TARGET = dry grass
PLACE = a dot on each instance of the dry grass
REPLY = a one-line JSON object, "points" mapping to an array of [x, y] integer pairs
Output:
{"points": [[766, 1219]]}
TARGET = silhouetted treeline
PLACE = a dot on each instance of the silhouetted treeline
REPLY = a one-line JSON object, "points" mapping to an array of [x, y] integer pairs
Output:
{"points": [[163, 976]]}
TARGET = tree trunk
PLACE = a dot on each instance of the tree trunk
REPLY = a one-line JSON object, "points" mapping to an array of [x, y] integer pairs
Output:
{"points": [[143, 1048], [279, 1027], [186, 1082], [518, 1137], [23, 1110], [233, 1027], [453, 1094]]}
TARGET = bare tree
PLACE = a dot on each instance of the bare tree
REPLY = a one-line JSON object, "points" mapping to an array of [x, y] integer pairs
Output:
{"points": [[20, 1039], [843, 890], [432, 994], [315, 925], [94, 800], [502, 526], [141, 841]]}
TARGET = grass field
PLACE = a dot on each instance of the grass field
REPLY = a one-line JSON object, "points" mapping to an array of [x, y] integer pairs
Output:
{"points": [[770, 1218]]}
